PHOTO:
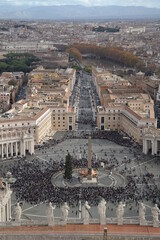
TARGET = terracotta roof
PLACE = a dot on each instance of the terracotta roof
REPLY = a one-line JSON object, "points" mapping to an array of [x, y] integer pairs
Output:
{"points": [[133, 113]]}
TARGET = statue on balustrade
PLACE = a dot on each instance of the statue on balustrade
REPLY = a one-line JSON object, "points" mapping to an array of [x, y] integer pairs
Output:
{"points": [[85, 213], [65, 211], [102, 211], [17, 212], [120, 213], [155, 213], [142, 212], [50, 214]]}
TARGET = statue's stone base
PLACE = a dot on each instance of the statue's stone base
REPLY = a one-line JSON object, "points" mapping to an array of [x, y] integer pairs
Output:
{"points": [[85, 221], [62, 223], [103, 221], [16, 224], [143, 223], [156, 224], [51, 224], [85, 180], [120, 222]]}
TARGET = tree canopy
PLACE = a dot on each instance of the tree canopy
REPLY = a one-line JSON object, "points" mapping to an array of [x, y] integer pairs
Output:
{"points": [[114, 54], [75, 53], [15, 62]]}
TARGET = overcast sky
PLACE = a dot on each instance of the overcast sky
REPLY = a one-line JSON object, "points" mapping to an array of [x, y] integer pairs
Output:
{"points": [[146, 3]]}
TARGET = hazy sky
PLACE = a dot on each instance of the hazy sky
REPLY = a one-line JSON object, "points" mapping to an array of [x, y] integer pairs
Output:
{"points": [[146, 3]]}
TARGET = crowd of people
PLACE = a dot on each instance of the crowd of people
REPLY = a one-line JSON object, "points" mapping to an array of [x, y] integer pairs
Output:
{"points": [[33, 184], [113, 136]]}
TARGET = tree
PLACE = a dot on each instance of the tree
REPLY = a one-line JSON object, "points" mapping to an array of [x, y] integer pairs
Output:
{"points": [[111, 53], [3, 66], [68, 167], [75, 53]]}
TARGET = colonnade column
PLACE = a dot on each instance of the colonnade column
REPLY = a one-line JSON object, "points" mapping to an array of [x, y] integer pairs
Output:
{"points": [[16, 150], [23, 152], [2, 150], [11, 149], [145, 147], [32, 146], [7, 150], [154, 147]]}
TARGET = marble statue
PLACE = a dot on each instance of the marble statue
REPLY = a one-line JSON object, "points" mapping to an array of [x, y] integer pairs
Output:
{"points": [[50, 214], [85, 213], [142, 212], [65, 211], [17, 212], [120, 213], [102, 211], [155, 213]]}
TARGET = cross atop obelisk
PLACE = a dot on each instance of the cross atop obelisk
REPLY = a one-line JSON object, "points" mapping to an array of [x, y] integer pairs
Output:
{"points": [[89, 158]]}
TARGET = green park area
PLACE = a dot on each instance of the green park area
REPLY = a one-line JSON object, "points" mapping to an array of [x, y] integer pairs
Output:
{"points": [[15, 62]]}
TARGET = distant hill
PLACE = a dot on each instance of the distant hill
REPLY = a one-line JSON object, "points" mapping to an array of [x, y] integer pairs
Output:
{"points": [[77, 12]]}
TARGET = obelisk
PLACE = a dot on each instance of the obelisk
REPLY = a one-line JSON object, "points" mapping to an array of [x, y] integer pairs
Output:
{"points": [[89, 158]]}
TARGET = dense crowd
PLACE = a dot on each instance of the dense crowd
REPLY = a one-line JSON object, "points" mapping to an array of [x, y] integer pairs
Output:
{"points": [[112, 136], [34, 185]]}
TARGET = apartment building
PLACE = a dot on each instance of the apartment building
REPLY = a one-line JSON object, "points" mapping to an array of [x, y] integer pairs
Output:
{"points": [[21, 117], [123, 108], [52, 88]]}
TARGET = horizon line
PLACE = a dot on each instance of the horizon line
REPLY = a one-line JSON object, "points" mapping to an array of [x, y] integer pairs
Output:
{"points": [[84, 5]]}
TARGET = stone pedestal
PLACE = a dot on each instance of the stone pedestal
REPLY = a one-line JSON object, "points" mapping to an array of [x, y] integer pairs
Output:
{"points": [[86, 180], [120, 221], [50, 224], [143, 222], [156, 224], [16, 224], [86, 221], [103, 221], [63, 223]]}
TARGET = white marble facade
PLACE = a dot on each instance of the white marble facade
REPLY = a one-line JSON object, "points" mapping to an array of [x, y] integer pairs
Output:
{"points": [[151, 141], [16, 144]]}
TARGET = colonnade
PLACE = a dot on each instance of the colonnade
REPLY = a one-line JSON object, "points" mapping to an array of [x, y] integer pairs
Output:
{"points": [[150, 145], [16, 148], [151, 141], [16, 145]]}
